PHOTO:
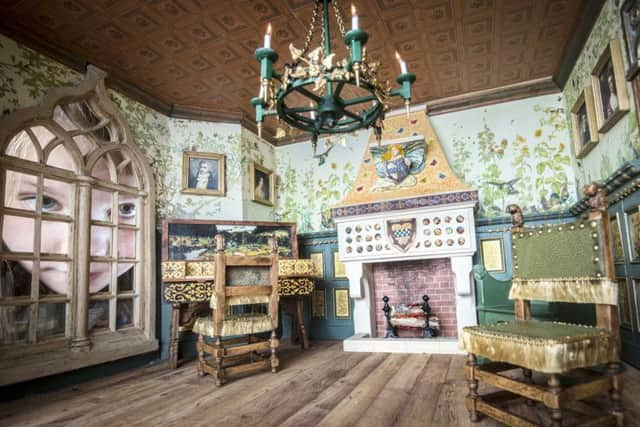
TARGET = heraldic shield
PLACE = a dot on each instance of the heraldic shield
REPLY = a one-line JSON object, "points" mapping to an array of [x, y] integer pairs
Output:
{"points": [[401, 232]]}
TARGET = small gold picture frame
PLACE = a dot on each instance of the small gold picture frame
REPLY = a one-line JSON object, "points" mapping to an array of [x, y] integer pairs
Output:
{"points": [[609, 87], [341, 303], [263, 184], [319, 303], [203, 173], [616, 234], [493, 254], [583, 122], [318, 261], [339, 271]]}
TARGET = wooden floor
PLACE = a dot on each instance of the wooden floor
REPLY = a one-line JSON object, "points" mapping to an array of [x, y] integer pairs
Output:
{"points": [[323, 386]]}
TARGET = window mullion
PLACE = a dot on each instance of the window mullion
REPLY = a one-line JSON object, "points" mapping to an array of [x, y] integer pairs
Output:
{"points": [[80, 339], [35, 266]]}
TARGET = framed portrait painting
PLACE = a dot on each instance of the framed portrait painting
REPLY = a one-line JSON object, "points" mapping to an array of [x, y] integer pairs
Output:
{"points": [[263, 184], [630, 14], [203, 173], [583, 123], [609, 87]]}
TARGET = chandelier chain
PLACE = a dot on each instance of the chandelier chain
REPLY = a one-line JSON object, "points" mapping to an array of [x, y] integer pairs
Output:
{"points": [[336, 8], [312, 27]]}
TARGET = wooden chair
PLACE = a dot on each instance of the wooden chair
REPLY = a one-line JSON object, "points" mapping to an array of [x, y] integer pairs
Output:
{"points": [[240, 309], [566, 263]]}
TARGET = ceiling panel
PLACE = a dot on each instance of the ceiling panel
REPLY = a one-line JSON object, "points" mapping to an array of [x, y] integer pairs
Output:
{"points": [[199, 53]]}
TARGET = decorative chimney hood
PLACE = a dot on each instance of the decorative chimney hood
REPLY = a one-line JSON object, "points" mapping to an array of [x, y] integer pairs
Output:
{"points": [[406, 204]]}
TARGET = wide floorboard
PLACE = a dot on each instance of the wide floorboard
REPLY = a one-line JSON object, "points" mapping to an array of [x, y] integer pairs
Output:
{"points": [[323, 386]]}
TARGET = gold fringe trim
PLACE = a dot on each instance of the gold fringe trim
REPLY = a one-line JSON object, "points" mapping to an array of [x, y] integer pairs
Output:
{"points": [[548, 355], [571, 289]]}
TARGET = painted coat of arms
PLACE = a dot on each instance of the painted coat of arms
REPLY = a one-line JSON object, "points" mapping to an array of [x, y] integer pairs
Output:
{"points": [[401, 233], [397, 164]]}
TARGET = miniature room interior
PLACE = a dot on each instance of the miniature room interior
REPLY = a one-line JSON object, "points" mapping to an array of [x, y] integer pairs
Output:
{"points": [[320, 212]]}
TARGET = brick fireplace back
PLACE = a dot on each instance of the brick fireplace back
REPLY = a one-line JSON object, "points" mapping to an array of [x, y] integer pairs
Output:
{"points": [[406, 281]]}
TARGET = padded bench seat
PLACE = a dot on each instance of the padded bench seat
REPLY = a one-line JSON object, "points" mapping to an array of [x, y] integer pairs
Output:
{"points": [[549, 347]]}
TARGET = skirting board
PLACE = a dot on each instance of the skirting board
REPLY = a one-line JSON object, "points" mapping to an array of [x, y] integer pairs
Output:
{"points": [[365, 343]]}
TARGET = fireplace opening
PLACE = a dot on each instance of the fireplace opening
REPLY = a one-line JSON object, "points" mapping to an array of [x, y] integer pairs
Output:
{"points": [[406, 282]]}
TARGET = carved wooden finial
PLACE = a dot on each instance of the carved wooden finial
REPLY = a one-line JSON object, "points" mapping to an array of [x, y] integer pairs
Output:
{"points": [[597, 197], [219, 242], [517, 219]]}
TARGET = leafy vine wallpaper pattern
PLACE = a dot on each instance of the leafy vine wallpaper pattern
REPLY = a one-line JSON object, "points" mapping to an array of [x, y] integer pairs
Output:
{"points": [[620, 144]]}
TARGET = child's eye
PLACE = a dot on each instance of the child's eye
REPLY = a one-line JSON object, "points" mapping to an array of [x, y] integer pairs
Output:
{"points": [[49, 204], [127, 210]]}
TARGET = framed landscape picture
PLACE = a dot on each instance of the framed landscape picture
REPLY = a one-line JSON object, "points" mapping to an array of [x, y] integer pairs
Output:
{"points": [[609, 87], [185, 239], [583, 123], [263, 184], [203, 173]]}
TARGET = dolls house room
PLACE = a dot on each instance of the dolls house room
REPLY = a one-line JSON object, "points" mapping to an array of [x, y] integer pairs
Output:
{"points": [[320, 212]]}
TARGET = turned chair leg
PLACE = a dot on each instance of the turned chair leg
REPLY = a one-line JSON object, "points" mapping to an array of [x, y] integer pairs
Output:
{"points": [[556, 413], [528, 374], [200, 348], [273, 343], [218, 359], [615, 393], [473, 387]]}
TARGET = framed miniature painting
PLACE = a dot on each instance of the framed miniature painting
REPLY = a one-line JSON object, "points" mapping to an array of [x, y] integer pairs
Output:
{"points": [[319, 303], [609, 87], [492, 255], [263, 185], [203, 173], [339, 271], [583, 123], [630, 14], [341, 303], [318, 262]]}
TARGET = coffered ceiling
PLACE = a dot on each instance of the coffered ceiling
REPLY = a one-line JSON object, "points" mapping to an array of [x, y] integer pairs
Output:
{"points": [[195, 57]]}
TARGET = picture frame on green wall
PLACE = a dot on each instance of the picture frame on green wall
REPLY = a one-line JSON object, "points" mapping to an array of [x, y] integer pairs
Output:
{"points": [[492, 252], [318, 261], [341, 303], [616, 233], [319, 303], [583, 124], [609, 87], [263, 185]]}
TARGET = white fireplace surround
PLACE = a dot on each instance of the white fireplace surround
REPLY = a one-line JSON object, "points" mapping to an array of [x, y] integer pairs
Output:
{"points": [[458, 245]]}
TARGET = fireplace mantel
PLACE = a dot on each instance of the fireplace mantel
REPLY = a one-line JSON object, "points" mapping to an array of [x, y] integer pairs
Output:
{"points": [[406, 204]]}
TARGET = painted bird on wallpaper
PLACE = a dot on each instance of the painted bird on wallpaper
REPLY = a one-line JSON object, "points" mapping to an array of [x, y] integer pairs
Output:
{"points": [[506, 185]]}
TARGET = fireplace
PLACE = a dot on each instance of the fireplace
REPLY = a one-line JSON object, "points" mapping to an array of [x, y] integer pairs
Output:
{"points": [[408, 221], [405, 282]]}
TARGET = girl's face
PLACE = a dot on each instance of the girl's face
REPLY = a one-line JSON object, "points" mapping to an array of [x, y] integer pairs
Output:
{"points": [[58, 198]]}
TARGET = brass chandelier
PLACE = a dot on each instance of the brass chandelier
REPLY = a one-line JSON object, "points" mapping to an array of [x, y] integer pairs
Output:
{"points": [[309, 92]]}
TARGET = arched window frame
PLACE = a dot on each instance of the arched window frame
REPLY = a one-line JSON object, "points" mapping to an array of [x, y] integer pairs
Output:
{"points": [[34, 359]]}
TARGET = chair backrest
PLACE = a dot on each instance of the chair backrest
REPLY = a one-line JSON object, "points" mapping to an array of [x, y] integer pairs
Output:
{"points": [[570, 262], [244, 280]]}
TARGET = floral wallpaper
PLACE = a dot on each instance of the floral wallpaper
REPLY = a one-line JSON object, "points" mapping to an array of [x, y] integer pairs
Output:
{"points": [[523, 147], [25, 76], [620, 143]]}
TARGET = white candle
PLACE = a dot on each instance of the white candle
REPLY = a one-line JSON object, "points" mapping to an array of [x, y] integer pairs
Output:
{"points": [[267, 37], [403, 65], [354, 18]]}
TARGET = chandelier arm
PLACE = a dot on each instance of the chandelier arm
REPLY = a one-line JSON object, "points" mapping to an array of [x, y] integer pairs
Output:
{"points": [[299, 109], [308, 94], [352, 115], [339, 89], [360, 100]]}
